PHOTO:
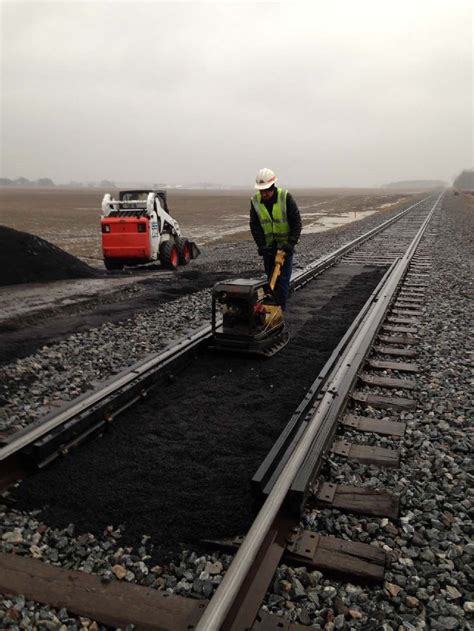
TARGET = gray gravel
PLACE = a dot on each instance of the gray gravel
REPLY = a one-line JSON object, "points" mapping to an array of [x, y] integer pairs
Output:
{"points": [[17, 613], [430, 583]]}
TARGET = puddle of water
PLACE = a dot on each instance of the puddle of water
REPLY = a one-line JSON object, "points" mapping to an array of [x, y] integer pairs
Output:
{"points": [[327, 201], [333, 221], [387, 204], [202, 237]]}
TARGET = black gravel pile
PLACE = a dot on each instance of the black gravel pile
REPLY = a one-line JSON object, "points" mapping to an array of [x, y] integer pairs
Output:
{"points": [[178, 467], [25, 258]]}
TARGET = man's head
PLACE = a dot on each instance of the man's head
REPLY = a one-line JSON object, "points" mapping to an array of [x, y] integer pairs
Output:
{"points": [[265, 179]]}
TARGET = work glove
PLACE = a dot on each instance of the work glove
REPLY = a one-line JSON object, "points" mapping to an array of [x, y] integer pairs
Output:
{"points": [[288, 248]]}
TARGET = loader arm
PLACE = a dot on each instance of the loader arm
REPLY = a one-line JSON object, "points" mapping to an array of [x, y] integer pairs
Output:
{"points": [[153, 203]]}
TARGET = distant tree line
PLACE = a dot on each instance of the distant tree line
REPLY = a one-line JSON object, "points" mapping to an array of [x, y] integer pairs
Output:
{"points": [[46, 182], [22, 182], [465, 180]]}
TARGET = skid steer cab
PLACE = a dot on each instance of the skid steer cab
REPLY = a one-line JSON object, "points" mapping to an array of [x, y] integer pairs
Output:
{"points": [[137, 229]]}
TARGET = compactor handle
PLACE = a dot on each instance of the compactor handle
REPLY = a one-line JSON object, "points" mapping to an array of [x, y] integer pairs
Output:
{"points": [[279, 260]]}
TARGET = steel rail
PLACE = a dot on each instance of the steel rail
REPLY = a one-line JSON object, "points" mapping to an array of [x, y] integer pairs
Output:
{"points": [[139, 371], [216, 612]]}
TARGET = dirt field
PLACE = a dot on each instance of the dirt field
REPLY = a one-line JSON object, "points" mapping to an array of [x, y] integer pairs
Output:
{"points": [[69, 218]]}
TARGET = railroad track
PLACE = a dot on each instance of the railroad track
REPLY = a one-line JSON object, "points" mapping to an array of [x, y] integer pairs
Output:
{"points": [[53, 435], [288, 476], [236, 603]]}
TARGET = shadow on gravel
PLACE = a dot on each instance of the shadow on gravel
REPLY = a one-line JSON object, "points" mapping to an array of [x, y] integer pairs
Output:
{"points": [[178, 466]]}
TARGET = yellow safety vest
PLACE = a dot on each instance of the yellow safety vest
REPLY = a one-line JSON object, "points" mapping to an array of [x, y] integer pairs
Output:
{"points": [[275, 226]]}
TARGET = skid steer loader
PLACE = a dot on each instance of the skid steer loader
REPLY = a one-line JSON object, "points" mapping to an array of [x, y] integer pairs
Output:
{"points": [[137, 228]]}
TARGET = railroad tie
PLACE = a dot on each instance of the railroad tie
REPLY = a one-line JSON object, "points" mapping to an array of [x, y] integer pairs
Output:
{"points": [[408, 303], [375, 425], [366, 454], [406, 310], [337, 557], [403, 297], [355, 499], [393, 350], [387, 382], [116, 604], [399, 329], [410, 340], [412, 294], [381, 402], [387, 365], [397, 320]]}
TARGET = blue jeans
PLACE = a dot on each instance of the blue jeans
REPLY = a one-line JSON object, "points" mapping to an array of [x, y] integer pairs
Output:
{"points": [[282, 287]]}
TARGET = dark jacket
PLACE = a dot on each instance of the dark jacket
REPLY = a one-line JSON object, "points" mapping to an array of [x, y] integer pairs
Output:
{"points": [[294, 221]]}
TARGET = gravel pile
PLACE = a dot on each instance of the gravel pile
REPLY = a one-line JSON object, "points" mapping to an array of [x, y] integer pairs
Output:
{"points": [[26, 258]]}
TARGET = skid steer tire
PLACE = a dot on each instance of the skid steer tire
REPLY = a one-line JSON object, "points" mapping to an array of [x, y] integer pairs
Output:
{"points": [[113, 264], [169, 256], [184, 251]]}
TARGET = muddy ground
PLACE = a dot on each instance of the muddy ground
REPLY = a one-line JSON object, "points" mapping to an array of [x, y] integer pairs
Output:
{"points": [[178, 467]]}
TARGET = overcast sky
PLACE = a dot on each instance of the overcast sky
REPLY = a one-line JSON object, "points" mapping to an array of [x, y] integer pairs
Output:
{"points": [[355, 95]]}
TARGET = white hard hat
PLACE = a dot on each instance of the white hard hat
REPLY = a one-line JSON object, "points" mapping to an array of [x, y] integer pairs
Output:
{"points": [[265, 178]]}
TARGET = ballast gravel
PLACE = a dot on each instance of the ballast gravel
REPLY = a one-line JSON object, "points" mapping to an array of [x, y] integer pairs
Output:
{"points": [[17, 613], [430, 583]]}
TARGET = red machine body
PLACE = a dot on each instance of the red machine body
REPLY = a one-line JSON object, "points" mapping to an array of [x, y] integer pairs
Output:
{"points": [[126, 238]]}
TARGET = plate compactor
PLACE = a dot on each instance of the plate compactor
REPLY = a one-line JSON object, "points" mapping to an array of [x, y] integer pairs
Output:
{"points": [[252, 321]]}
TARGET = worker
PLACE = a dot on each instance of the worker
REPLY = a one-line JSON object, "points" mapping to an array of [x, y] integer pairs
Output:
{"points": [[275, 223]]}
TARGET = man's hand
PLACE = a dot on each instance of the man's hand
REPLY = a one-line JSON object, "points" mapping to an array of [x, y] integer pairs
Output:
{"points": [[288, 248]]}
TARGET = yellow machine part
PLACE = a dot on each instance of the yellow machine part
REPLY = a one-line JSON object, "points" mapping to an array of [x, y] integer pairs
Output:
{"points": [[274, 315]]}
